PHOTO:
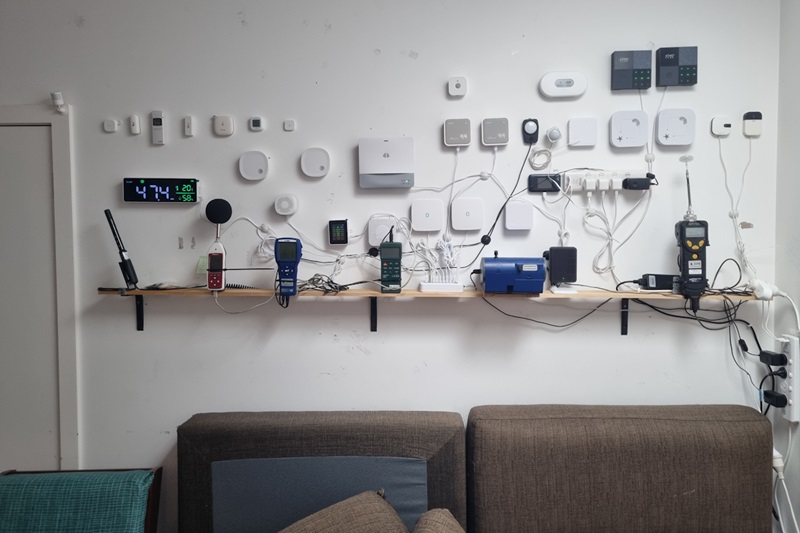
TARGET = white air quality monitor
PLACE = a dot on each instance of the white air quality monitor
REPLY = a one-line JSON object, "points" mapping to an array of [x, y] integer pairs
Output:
{"points": [[315, 162], [253, 165]]}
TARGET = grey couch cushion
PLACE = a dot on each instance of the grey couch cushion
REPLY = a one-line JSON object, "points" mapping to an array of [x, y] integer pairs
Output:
{"points": [[574, 468], [438, 521], [364, 513]]}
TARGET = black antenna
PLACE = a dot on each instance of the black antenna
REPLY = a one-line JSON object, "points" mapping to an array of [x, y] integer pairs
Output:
{"points": [[125, 265]]}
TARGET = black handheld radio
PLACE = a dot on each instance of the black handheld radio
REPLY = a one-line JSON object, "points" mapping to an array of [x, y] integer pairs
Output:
{"points": [[692, 239]]}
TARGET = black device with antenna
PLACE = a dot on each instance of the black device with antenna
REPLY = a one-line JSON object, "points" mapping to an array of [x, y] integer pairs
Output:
{"points": [[692, 239], [125, 265]]}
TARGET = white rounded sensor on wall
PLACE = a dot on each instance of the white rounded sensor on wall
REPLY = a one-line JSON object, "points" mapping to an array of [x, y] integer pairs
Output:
{"points": [[563, 84], [253, 165], [315, 162], [286, 204]]}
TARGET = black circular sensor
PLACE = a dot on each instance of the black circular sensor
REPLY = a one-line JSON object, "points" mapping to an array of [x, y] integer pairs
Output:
{"points": [[219, 211]]}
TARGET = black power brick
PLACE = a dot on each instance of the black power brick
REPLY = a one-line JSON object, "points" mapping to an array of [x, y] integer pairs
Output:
{"points": [[657, 282], [775, 399], [773, 358]]}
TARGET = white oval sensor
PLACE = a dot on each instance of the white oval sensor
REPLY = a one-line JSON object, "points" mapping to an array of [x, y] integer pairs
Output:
{"points": [[253, 165], [315, 162], [563, 84]]}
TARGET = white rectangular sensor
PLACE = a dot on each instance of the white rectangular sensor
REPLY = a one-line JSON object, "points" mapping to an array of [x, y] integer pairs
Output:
{"points": [[386, 162]]}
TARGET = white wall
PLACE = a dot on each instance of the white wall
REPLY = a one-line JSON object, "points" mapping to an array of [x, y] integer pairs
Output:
{"points": [[346, 70], [787, 234]]}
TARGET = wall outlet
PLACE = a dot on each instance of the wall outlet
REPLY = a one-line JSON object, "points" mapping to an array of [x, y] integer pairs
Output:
{"points": [[791, 385]]}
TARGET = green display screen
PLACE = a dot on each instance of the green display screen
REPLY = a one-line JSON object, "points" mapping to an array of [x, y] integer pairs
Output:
{"points": [[160, 190]]}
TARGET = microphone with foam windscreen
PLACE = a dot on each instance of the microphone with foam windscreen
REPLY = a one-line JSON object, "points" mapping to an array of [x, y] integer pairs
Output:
{"points": [[218, 211]]}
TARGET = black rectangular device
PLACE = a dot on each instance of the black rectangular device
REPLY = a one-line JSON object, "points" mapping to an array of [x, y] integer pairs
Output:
{"points": [[544, 182], [391, 254], [337, 231], [676, 66], [631, 69], [563, 264], [160, 190]]}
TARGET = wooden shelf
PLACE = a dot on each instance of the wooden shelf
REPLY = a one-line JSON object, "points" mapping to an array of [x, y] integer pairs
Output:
{"points": [[373, 295], [370, 293]]}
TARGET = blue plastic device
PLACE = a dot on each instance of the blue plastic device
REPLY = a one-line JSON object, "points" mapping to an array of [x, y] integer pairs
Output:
{"points": [[513, 275], [288, 252]]}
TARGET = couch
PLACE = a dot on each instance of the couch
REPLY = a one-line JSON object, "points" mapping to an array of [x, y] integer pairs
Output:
{"points": [[521, 468]]}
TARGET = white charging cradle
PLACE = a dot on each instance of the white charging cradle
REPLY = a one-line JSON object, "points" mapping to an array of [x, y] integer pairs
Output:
{"points": [[315, 162], [253, 165], [286, 204]]}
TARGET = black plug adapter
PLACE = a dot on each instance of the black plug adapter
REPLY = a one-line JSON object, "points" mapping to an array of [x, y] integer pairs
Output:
{"points": [[773, 358], [775, 399]]}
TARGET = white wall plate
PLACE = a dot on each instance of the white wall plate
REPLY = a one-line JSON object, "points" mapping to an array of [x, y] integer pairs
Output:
{"points": [[315, 162], [467, 214], [675, 127], [427, 214], [519, 215], [253, 165], [628, 129]]}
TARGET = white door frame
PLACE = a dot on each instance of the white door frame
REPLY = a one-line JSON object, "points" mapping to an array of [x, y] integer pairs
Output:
{"points": [[66, 324]]}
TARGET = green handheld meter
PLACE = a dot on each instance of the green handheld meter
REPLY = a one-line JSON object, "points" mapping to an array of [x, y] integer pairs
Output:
{"points": [[692, 237], [391, 254]]}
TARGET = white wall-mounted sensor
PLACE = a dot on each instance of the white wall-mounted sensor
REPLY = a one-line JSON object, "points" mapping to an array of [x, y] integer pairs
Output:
{"points": [[457, 86], [457, 132], [582, 131], [157, 127], [256, 124], [223, 125], [135, 124], [386, 162], [628, 129], [315, 162], [188, 126], [563, 84], [111, 125], [378, 229], [751, 125], [58, 101], [721, 125], [286, 204], [427, 214], [494, 131], [675, 127], [253, 165], [519, 215], [466, 214]]}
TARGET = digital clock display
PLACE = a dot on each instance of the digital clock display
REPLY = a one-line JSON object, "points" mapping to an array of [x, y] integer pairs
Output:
{"points": [[160, 190]]}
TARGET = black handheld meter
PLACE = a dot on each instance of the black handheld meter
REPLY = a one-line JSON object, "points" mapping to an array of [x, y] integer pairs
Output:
{"points": [[288, 252], [692, 237], [391, 254]]}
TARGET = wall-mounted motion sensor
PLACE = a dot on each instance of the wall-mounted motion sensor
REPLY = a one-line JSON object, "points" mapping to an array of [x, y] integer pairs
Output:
{"points": [[58, 101], [721, 125]]}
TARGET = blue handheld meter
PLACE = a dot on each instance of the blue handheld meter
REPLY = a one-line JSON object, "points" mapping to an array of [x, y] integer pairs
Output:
{"points": [[288, 252]]}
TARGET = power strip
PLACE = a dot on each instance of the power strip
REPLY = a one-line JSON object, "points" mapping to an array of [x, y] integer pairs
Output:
{"points": [[432, 286], [791, 385]]}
